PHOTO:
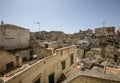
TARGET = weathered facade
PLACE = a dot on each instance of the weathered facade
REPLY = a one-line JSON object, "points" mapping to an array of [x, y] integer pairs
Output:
{"points": [[47, 49], [44, 52], [83, 34], [92, 79], [87, 77], [105, 31], [8, 61], [13, 37], [47, 70], [113, 71], [25, 53], [118, 32]]}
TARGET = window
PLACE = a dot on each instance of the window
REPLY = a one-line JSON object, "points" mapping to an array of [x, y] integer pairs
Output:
{"points": [[71, 59], [31, 55], [20, 81], [24, 59], [37, 80], [9, 65], [46, 45], [31, 52], [63, 64], [51, 78]]}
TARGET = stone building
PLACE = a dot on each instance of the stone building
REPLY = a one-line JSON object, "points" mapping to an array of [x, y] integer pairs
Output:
{"points": [[118, 33], [91, 78], [105, 31], [43, 52], [88, 32], [83, 35], [8, 61], [113, 71], [111, 53], [25, 53], [13, 37], [16, 40], [52, 69], [46, 49]]}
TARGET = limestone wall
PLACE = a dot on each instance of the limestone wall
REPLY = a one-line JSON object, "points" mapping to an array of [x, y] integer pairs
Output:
{"points": [[87, 79], [6, 58], [44, 52], [44, 67], [113, 71], [12, 37], [24, 53], [105, 31], [1, 37]]}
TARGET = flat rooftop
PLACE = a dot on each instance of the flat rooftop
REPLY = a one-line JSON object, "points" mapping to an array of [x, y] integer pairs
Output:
{"points": [[93, 75], [19, 70], [26, 66]]}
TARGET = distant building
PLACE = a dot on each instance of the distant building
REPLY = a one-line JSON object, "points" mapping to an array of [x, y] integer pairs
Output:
{"points": [[88, 32], [105, 31], [118, 32], [83, 34]]}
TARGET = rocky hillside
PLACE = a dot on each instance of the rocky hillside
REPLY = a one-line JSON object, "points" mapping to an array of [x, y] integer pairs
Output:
{"points": [[50, 36]]}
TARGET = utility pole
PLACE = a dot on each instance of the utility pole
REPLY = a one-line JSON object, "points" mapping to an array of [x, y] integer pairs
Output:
{"points": [[38, 24], [104, 24]]}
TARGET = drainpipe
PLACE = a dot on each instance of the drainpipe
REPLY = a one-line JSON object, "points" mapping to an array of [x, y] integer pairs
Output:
{"points": [[44, 71], [105, 68]]}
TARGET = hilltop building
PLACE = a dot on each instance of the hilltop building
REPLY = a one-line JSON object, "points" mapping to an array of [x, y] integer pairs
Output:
{"points": [[105, 31]]}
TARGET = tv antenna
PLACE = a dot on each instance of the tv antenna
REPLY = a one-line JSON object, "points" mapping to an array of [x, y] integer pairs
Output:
{"points": [[38, 24]]}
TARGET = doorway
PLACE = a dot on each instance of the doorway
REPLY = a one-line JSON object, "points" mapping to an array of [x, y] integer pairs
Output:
{"points": [[51, 78]]}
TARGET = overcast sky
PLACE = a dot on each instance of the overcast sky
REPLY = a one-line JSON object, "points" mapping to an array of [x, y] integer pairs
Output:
{"points": [[61, 15]]}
